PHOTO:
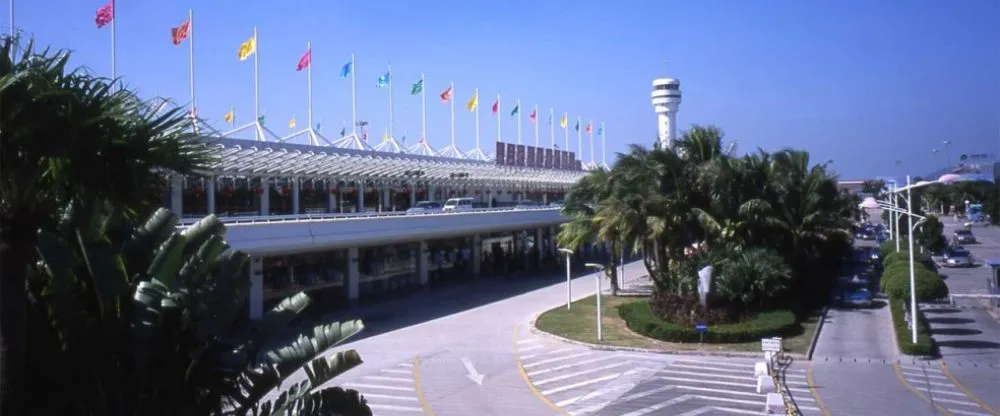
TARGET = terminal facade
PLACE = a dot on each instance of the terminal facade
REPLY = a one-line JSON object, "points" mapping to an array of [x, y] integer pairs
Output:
{"points": [[341, 236]]}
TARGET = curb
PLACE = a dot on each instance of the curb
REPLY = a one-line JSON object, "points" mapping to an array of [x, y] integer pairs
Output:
{"points": [[815, 337], [536, 331]]}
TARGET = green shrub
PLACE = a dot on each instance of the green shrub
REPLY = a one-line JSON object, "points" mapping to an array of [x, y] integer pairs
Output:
{"points": [[930, 285], [887, 248], [901, 256], [639, 318], [925, 345]]}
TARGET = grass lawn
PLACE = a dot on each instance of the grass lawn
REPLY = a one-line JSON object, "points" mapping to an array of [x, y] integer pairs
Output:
{"points": [[579, 324]]}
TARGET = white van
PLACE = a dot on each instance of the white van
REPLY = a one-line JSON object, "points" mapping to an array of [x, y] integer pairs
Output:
{"points": [[458, 205]]}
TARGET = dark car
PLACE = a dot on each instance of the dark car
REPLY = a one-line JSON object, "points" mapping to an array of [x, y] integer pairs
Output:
{"points": [[964, 236]]}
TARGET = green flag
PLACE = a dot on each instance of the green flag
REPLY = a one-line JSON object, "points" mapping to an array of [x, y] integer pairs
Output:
{"points": [[343, 131], [418, 87], [517, 109], [260, 120]]}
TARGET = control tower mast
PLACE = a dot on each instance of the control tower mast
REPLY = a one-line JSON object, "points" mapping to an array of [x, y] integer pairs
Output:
{"points": [[666, 102]]}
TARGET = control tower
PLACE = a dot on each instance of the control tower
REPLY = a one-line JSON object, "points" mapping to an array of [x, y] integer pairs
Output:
{"points": [[666, 102]]}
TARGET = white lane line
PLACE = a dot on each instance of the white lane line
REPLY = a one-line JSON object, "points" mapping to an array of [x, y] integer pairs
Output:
{"points": [[691, 373], [388, 397], [735, 393], [583, 383], [749, 386], [530, 348], [932, 391], [565, 366], [407, 365], [913, 374], [920, 369], [529, 356], [580, 373], [737, 411], [736, 365], [555, 360], [622, 388], [727, 370], [658, 406], [931, 383], [589, 409], [377, 386], [396, 371], [395, 408], [953, 401], [385, 378], [527, 341], [963, 412]]}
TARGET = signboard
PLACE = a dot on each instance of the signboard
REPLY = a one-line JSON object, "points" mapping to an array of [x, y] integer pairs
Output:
{"points": [[530, 161], [701, 328], [511, 153], [549, 163], [519, 153], [501, 154], [770, 344]]}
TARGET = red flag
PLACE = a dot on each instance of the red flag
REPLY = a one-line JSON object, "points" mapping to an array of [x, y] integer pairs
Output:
{"points": [[179, 33], [446, 95], [496, 106], [588, 128], [105, 14], [305, 60], [533, 117]]}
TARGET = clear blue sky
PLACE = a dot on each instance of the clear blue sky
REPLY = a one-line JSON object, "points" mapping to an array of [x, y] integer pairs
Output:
{"points": [[860, 82]]}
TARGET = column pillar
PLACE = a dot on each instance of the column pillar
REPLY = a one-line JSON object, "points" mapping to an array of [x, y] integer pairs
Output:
{"points": [[413, 196], [256, 295], [422, 263], [539, 247], [296, 193], [553, 243], [353, 277], [384, 194], [177, 195], [210, 189], [331, 197], [361, 198], [265, 196], [545, 198], [477, 255]]}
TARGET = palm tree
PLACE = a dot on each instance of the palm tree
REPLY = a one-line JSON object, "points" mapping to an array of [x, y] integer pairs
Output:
{"points": [[67, 133]]}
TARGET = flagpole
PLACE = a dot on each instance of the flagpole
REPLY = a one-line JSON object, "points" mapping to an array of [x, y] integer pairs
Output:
{"points": [[579, 140], [499, 131], [604, 154], [477, 121], [114, 69], [191, 65], [423, 108], [552, 127], [354, 101], [517, 105], [566, 130], [452, 88], [390, 100], [309, 85], [536, 124], [591, 134], [256, 86]]}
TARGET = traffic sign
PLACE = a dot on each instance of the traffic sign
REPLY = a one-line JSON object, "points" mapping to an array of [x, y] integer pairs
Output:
{"points": [[770, 344], [701, 328]]}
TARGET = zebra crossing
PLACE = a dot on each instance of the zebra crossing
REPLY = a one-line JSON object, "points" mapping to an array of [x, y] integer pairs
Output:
{"points": [[584, 381], [936, 387], [390, 391]]}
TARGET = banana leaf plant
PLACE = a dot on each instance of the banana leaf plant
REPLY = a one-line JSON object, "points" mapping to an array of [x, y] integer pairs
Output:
{"points": [[128, 319]]}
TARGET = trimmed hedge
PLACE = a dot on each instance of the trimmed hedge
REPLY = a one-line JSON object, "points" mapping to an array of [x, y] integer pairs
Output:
{"points": [[903, 256], [887, 248], [925, 345], [639, 318], [930, 285]]}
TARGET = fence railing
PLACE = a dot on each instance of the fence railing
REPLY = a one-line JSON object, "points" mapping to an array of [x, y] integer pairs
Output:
{"points": [[335, 216]]}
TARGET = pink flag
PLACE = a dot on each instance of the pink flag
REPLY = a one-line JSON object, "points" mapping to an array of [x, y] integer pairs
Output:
{"points": [[305, 60], [105, 14]]}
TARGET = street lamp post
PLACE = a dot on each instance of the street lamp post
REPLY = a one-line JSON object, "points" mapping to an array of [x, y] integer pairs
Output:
{"points": [[597, 277], [913, 292], [569, 285]]}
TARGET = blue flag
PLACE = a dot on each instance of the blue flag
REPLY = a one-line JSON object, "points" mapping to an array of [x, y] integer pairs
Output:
{"points": [[346, 70], [384, 80]]}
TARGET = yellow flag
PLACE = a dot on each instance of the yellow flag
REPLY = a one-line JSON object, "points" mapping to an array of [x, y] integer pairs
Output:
{"points": [[248, 48], [473, 102], [385, 137], [563, 122], [229, 117], [291, 123]]}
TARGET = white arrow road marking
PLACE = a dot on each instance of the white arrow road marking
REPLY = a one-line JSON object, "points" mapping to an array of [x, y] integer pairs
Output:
{"points": [[472, 374]]}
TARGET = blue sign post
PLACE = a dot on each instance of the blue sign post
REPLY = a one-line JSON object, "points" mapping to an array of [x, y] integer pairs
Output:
{"points": [[701, 328]]}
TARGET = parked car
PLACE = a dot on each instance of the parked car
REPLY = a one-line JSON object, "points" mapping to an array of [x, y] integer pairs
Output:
{"points": [[424, 207], [958, 257], [964, 236]]}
